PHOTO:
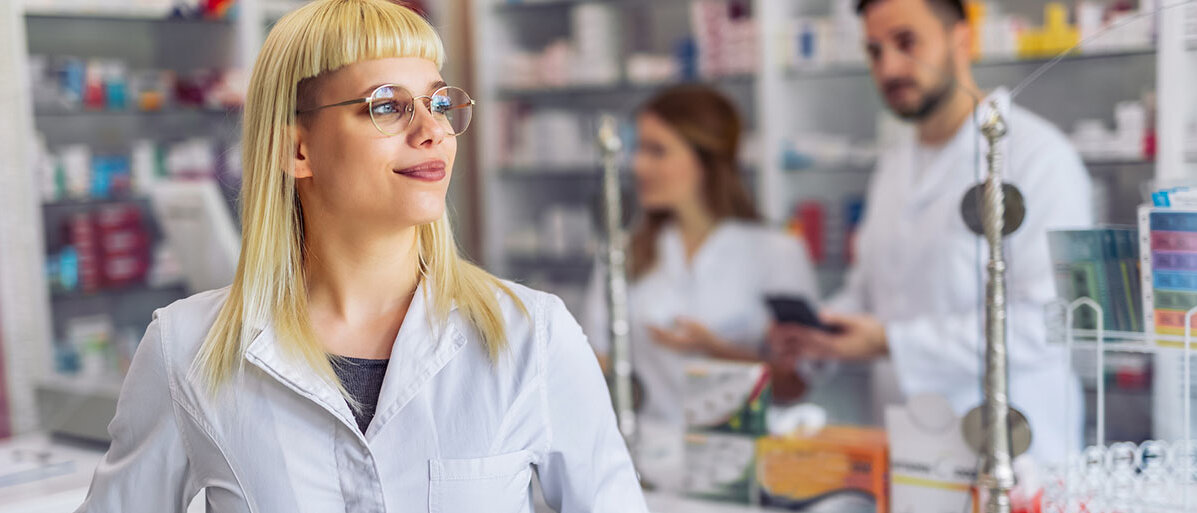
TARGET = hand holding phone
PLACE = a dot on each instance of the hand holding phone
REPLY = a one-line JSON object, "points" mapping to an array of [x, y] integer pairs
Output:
{"points": [[796, 310]]}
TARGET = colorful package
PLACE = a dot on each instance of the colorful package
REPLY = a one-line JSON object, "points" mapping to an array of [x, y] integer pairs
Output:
{"points": [[721, 467], [727, 397], [840, 468]]}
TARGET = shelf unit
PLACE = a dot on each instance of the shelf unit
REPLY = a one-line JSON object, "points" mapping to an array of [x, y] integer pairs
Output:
{"points": [[144, 38], [1114, 473], [834, 98], [33, 316]]}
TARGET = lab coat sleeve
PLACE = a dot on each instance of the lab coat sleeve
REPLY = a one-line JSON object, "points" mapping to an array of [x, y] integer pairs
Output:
{"points": [[926, 351], [146, 468], [586, 467], [788, 268]]}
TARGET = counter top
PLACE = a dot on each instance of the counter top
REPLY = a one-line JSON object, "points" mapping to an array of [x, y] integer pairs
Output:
{"points": [[41, 475]]}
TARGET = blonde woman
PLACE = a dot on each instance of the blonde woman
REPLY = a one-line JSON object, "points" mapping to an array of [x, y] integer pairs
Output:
{"points": [[357, 363]]}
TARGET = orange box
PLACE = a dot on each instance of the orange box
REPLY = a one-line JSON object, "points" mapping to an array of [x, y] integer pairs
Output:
{"points": [[837, 464]]}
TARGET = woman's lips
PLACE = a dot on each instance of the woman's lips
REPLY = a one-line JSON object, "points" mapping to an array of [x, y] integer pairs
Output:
{"points": [[431, 171]]}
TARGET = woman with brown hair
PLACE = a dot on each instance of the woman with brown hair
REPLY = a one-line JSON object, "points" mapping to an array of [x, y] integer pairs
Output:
{"points": [[701, 261]]}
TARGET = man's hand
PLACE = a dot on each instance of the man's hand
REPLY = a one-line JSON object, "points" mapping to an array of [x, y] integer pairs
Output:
{"points": [[859, 337]]}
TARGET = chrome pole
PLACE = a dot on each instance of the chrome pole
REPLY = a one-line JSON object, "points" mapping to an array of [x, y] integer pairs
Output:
{"points": [[997, 472], [615, 258]]}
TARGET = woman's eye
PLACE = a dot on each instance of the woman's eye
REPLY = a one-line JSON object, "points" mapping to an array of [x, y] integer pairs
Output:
{"points": [[441, 104], [389, 107]]}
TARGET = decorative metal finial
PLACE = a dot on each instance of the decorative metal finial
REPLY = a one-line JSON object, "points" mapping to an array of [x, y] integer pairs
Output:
{"points": [[996, 475], [617, 279]]}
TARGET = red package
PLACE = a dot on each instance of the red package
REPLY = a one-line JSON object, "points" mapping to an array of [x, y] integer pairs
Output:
{"points": [[811, 215], [118, 216], [82, 236], [121, 271], [123, 242]]}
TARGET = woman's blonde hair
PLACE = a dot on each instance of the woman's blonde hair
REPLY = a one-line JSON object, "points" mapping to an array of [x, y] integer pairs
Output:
{"points": [[269, 286]]}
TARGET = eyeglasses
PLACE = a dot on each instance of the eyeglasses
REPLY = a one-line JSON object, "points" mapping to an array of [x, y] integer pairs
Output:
{"points": [[392, 108]]}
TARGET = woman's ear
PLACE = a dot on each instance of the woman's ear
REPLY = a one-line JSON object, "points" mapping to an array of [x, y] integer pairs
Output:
{"points": [[300, 165]]}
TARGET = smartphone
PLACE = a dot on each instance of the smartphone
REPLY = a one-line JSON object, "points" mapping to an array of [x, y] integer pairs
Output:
{"points": [[796, 310]]}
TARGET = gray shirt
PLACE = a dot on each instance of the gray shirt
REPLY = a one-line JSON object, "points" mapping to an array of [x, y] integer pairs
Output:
{"points": [[362, 378]]}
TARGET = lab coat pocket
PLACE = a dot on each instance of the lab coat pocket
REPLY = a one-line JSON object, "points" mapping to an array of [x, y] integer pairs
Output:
{"points": [[495, 484]]}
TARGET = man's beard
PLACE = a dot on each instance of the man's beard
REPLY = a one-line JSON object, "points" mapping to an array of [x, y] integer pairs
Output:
{"points": [[930, 102]]}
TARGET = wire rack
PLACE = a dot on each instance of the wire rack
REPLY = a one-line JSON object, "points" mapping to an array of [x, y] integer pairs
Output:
{"points": [[1123, 477]]}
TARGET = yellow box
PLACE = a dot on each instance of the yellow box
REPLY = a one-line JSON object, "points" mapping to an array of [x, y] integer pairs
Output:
{"points": [[840, 463]]}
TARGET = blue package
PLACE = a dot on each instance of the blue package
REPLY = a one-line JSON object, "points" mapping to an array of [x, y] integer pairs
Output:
{"points": [[68, 268], [115, 95], [71, 80], [854, 210], [100, 178], [685, 50]]}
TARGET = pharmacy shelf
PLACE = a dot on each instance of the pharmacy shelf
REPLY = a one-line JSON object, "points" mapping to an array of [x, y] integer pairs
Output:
{"points": [[622, 87], [1132, 342], [817, 168], [568, 171], [105, 386], [867, 168], [174, 289], [581, 262], [143, 38], [89, 203], [123, 14], [50, 114], [579, 172], [535, 5], [1120, 162], [568, 270], [862, 69], [78, 407]]}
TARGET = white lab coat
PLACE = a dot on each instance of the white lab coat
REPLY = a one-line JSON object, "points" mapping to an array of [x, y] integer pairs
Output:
{"points": [[723, 287], [922, 272], [453, 433]]}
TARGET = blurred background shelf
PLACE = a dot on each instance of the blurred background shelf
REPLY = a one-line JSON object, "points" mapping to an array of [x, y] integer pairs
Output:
{"points": [[616, 88], [854, 70], [116, 14], [120, 293]]}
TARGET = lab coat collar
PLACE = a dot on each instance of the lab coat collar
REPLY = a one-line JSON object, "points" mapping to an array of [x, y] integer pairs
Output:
{"points": [[266, 353], [672, 249], [422, 347]]}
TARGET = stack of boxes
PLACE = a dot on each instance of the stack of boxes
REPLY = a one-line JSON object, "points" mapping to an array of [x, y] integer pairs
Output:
{"points": [[595, 29], [82, 234], [726, 37], [1103, 265], [1173, 273], [730, 455], [106, 248], [124, 245], [839, 468], [726, 406]]}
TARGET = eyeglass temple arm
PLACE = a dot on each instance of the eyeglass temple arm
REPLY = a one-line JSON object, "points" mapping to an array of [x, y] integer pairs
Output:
{"points": [[471, 103], [346, 102]]}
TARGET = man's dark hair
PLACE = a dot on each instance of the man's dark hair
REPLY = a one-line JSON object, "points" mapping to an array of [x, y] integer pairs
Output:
{"points": [[950, 11]]}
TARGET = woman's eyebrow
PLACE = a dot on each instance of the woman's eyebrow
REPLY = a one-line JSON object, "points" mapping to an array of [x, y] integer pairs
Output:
{"points": [[370, 90], [431, 88]]}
